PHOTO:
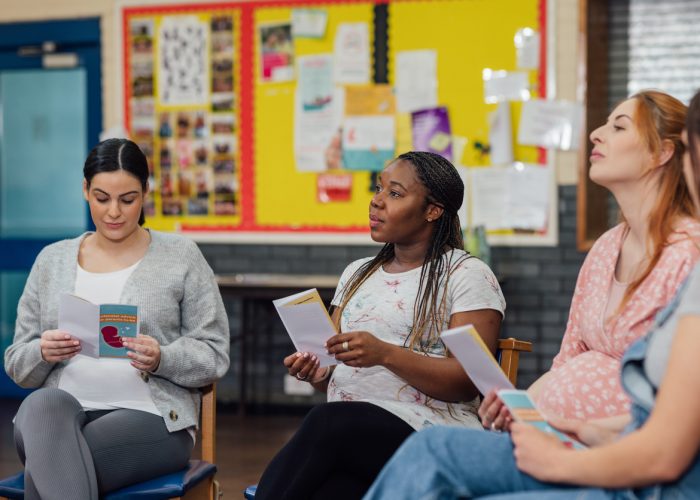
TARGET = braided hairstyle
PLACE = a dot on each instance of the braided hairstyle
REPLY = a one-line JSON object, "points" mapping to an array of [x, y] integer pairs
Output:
{"points": [[445, 189]]}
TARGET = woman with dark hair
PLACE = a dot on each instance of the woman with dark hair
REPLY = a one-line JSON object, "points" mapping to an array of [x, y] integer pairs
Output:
{"points": [[394, 375], [99, 424]]}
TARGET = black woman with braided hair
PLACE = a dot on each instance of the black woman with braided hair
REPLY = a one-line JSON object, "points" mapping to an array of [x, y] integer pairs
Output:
{"points": [[393, 375]]}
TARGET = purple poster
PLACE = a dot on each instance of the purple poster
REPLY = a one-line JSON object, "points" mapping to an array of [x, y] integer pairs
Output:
{"points": [[431, 131]]}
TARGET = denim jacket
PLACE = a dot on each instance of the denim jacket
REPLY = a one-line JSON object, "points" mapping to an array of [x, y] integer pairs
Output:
{"points": [[643, 395]]}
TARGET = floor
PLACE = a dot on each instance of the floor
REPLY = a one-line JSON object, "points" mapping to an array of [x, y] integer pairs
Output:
{"points": [[244, 445]]}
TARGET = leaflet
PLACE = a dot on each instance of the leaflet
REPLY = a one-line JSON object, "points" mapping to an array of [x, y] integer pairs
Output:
{"points": [[523, 409], [476, 359], [99, 328], [308, 324]]}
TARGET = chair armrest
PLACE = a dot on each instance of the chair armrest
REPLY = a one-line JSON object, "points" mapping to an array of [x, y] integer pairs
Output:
{"points": [[514, 345], [509, 356]]}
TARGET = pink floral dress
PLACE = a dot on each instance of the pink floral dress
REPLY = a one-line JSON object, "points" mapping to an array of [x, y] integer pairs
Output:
{"points": [[584, 382]]}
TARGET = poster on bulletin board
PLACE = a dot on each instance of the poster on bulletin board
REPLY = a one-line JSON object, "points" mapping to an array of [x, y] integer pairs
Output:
{"points": [[267, 119]]}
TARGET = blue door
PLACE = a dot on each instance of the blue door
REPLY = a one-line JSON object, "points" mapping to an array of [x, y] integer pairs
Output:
{"points": [[50, 116]]}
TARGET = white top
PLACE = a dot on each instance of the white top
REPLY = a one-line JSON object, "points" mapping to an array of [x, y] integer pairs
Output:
{"points": [[105, 383], [384, 306], [615, 296]]}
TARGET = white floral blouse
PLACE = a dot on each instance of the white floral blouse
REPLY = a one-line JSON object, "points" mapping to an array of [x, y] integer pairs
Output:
{"points": [[383, 306]]}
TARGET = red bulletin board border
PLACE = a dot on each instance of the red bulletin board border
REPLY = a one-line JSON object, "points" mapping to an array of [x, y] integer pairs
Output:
{"points": [[246, 102]]}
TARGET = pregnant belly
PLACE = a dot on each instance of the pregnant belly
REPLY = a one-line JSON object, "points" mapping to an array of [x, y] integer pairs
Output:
{"points": [[585, 387]]}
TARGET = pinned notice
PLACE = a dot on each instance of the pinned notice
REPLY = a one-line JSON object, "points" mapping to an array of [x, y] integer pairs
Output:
{"points": [[505, 86], [551, 124], [527, 48], [416, 80]]}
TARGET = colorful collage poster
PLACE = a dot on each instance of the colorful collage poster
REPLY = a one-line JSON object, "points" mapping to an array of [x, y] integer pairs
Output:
{"points": [[276, 53], [186, 123]]}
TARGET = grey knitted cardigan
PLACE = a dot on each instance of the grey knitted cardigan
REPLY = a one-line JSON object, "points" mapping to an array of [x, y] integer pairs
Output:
{"points": [[179, 305]]}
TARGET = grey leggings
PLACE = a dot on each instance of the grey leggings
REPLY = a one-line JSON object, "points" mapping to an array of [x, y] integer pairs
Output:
{"points": [[71, 453]]}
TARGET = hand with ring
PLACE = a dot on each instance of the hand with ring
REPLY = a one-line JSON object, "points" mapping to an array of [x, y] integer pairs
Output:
{"points": [[302, 365], [494, 414], [359, 349]]}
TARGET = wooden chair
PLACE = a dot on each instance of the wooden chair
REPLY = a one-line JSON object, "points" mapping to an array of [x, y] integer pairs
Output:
{"points": [[195, 482], [508, 355]]}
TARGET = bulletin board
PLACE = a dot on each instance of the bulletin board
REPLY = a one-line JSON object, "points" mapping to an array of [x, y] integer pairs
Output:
{"points": [[221, 152]]}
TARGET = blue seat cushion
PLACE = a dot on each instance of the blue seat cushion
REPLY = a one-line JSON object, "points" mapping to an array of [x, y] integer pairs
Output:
{"points": [[160, 488], [249, 492], [13, 487]]}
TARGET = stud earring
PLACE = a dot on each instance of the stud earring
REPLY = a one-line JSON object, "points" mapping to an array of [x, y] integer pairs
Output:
{"points": [[429, 219]]}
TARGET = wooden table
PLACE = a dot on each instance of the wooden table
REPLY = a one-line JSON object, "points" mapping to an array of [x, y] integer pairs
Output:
{"points": [[251, 288]]}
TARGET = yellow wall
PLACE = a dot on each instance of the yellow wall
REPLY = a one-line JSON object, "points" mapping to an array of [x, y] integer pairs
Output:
{"points": [[565, 28]]}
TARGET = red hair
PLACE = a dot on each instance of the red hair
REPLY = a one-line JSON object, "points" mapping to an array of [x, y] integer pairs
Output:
{"points": [[661, 118]]}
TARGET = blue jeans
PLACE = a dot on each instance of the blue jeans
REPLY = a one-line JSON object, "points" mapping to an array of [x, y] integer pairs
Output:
{"points": [[444, 463]]}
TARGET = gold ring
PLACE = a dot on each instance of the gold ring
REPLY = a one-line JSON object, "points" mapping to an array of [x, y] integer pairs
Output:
{"points": [[346, 346]]}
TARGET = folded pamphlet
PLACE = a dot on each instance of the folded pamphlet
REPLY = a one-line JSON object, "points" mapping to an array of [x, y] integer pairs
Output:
{"points": [[523, 409], [470, 350], [308, 324], [99, 328]]}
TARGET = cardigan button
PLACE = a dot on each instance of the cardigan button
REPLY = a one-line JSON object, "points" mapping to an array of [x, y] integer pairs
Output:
{"points": [[173, 415]]}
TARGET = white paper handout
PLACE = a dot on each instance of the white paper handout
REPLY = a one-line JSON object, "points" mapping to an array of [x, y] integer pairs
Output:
{"points": [[513, 197], [307, 323], [352, 53], [501, 135], [416, 80], [505, 86], [81, 319], [528, 196], [309, 23], [551, 124], [488, 197], [476, 359], [527, 48]]}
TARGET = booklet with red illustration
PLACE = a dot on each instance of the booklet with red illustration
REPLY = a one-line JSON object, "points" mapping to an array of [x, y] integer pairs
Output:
{"points": [[99, 328]]}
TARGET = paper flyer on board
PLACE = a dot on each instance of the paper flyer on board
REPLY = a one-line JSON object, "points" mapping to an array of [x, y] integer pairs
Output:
{"points": [[308, 324], [368, 142], [352, 54], [318, 109], [432, 131], [99, 328], [551, 124], [516, 196], [416, 80]]}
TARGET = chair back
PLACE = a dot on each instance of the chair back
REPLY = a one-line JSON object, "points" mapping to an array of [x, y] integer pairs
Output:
{"points": [[509, 356]]}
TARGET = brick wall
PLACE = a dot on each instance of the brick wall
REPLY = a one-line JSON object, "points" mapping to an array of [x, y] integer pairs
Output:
{"points": [[538, 283]]}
